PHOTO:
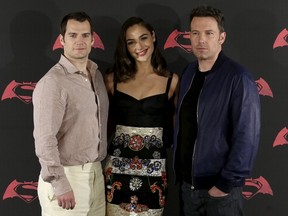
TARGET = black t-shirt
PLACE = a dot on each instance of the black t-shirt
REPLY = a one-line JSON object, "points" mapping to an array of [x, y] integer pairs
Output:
{"points": [[188, 124]]}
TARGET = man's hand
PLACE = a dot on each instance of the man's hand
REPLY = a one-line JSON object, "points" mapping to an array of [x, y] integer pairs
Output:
{"points": [[67, 200], [215, 192]]}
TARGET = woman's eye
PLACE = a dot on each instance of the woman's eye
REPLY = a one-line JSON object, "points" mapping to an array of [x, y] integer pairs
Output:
{"points": [[129, 43]]}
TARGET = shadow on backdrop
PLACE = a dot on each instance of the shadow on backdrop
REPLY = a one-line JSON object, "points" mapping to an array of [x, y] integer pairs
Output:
{"points": [[30, 36]]}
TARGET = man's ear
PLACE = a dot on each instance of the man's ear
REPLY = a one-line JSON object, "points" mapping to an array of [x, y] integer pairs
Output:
{"points": [[222, 38], [62, 40], [92, 40]]}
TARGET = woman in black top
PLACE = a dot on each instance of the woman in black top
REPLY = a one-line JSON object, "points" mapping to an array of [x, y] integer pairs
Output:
{"points": [[141, 89]]}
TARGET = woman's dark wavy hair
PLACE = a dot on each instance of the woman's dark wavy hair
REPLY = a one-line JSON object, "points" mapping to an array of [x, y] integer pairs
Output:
{"points": [[124, 67]]}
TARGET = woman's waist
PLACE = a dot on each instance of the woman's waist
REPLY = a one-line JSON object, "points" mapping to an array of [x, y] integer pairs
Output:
{"points": [[141, 131]]}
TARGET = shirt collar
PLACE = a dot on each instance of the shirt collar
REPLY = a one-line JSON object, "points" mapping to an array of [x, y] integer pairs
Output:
{"points": [[92, 66]]}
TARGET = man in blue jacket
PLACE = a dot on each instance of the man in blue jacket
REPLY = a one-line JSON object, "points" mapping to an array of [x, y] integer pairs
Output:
{"points": [[217, 125]]}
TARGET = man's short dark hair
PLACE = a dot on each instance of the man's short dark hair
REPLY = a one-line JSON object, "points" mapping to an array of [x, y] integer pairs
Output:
{"points": [[78, 16], [208, 11]]}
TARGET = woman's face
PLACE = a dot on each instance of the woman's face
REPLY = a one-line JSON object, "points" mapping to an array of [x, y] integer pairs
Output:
{"points": [[140, 43]]}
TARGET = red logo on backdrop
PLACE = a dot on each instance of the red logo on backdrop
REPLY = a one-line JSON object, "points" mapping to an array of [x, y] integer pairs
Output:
{"points": [[27, 191], [282, 39], [22, 91], [263, 88], [179, 39], [256, 186], [97, 42], [281, 138]]}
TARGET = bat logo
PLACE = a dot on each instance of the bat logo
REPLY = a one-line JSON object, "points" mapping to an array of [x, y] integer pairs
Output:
{"points": [[27, 191], [282, 39], [97, 42], [263, 88], [281, 138], [22, 91], [179, 39], [255, 186]]}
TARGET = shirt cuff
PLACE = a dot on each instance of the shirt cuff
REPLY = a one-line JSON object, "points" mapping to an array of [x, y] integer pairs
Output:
{"points": [[61, 186]]}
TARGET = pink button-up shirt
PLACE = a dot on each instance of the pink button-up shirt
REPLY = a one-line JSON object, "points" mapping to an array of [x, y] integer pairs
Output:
{"points": [[70, 121]]}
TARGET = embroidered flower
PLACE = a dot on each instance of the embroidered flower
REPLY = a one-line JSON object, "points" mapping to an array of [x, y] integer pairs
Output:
{"points": [[147, 142], [150, 168], [157, 165], [117, 152], [135, 184], [156, 155], [136, 143], [133, 206], [136, 164], [116, 162], [122, 139]]}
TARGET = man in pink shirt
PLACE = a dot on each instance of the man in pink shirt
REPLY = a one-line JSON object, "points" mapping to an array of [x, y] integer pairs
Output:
{"points": [[70, 121]]}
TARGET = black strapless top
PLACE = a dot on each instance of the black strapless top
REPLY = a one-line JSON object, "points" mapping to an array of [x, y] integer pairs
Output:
{"points": [[147, 112], [153, 111]]}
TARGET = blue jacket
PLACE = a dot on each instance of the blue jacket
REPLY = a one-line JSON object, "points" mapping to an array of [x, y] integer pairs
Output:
{"points": [[228, 134]]}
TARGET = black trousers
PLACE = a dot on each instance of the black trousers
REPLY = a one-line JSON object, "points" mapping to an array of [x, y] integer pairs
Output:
{"points": [[200, 203]]}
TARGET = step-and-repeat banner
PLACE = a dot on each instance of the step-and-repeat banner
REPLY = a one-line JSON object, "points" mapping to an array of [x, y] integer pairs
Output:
{"points": [[257, 37]]}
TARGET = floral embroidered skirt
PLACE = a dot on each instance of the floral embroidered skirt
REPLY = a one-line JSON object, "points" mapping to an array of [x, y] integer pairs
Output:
{"points": [[135, 172]]}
